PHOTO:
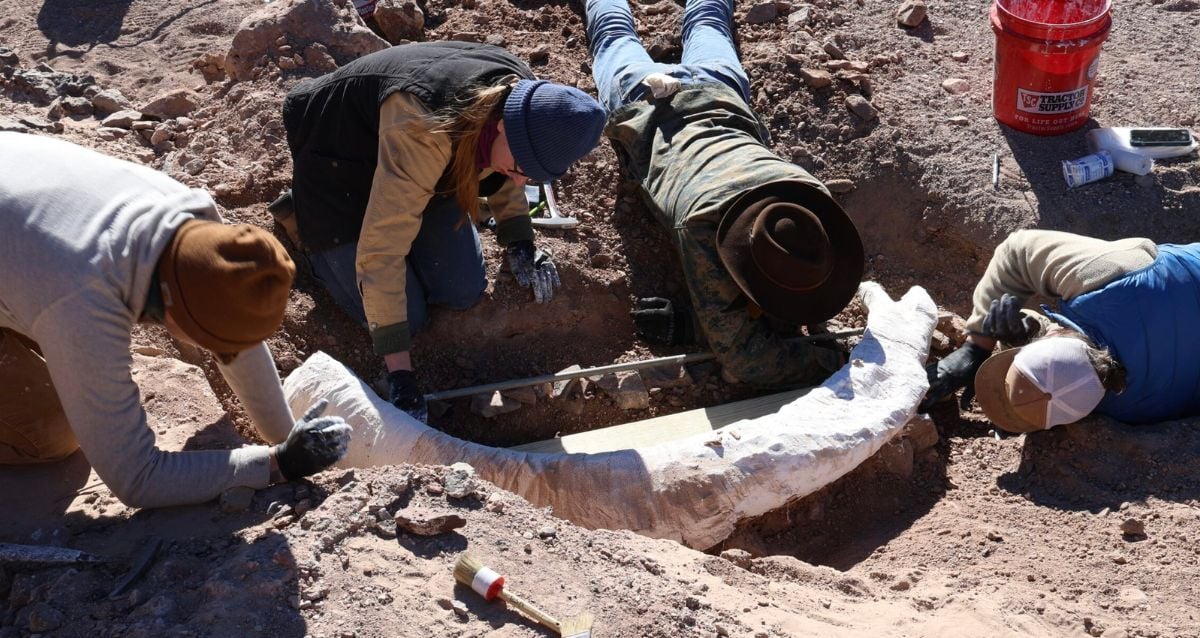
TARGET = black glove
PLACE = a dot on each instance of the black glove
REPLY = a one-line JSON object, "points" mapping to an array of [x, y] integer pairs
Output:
{"points": [[956, 370], [533, 268], [1006, 322], [660, 321], [404, 394], [315, 443]]}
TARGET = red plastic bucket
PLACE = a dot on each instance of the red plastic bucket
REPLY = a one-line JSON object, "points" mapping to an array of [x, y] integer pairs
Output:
{"points": [[1047, 55]]}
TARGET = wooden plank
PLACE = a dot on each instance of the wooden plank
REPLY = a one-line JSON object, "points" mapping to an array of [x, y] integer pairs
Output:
{"points": [[646, 432]]}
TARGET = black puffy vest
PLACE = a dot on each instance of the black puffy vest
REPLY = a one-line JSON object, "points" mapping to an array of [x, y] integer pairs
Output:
{"points": [[333, 126]]}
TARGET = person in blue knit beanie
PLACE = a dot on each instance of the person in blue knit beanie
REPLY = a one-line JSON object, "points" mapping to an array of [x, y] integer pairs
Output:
{"points": [[391, 154]]}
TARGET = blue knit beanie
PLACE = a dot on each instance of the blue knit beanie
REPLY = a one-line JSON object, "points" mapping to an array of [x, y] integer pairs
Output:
{"points": [[550, 126]]}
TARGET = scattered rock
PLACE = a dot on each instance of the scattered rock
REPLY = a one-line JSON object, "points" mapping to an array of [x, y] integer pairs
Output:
{"points": [[627, 389], [110, 101], [549, 531], [41, 618], [317, 58], [459, 480], [211, 66], [564, 387], [601, 260], [958, 120], [236, 499], [492, 405], [1133, 527], [1118, 558], [911, 13], [816, 78], [160, 135], [11, 126], [121, 119], [459, 608], [840, 186], [800, 17], [739, 557], [110, 133], [173, 103], [762, 13], [424, 521], [496, 503], [956, 86], [526, 395], [833, 50], [960, 56], [42, 124], [8, 57], [540, 54], [896, 458], [195, 167], [922, 431], [496, 40], [861, 107], [400, 20], [995, 536]]}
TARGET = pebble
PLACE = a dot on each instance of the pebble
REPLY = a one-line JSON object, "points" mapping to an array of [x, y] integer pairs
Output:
{"points": [[861, 107], [956, 86], [424, 521], [1118, 558], [549, 531], [495, 503], [459, 608], [833, 50], [540, 54], [739, 557], [762, 13], [840, 185], [722, 630], [995, 536], [460, 480], [1133, 527], [911, 13], [960, 56], [236, 499], [816, 78], [959, 120]]}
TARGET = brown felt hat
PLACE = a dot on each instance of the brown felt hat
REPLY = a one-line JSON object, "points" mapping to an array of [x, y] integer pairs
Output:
{"points": [[226, 286], [792, 250]]}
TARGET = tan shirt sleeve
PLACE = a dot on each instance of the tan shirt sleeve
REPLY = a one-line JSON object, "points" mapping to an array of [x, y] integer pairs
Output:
{"points": [[1055, 264], [411, 161]]}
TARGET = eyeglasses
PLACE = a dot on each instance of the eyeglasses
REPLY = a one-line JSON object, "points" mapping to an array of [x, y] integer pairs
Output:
{"points": [[516, 170]]}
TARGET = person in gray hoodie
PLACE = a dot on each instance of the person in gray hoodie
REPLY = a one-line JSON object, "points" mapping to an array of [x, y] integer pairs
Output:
{"points": [[91, 245]]}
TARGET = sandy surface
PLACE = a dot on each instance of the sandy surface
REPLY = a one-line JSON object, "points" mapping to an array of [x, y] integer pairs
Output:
{"points": [[975, 536]]}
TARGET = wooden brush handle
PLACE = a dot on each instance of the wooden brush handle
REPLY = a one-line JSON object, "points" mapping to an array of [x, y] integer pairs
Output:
{"points": [[514, 600]]}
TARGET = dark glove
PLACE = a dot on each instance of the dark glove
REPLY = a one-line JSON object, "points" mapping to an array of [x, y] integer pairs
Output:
{"points": [[533, 268], [404, 394], [315, 443], [660, 321], [956, 370], [1006, 322]]}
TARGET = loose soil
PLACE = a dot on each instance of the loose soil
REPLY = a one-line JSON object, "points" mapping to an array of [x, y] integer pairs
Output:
{"points": [[978, 535]]}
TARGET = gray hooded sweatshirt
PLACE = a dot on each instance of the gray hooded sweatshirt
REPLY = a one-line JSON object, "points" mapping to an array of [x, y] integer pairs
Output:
{"points": [[80, 237]]}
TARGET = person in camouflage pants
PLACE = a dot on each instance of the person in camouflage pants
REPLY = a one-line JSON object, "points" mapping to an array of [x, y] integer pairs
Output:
{"points": [[764, 246]]}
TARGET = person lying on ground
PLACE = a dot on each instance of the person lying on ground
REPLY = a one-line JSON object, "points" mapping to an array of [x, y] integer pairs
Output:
{"points": [[1122, 343], [765, 248], [391, 154], [91, 245]]}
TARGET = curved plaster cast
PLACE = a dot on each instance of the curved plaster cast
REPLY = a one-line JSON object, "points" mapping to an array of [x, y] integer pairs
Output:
{"points": [[693, 490]]}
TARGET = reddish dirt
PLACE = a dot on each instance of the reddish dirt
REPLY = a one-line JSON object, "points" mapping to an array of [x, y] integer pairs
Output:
{"points": [[977, 536]]}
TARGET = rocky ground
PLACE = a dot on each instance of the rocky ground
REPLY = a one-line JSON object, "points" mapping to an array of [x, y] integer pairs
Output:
{"points": [[1086, 529]]}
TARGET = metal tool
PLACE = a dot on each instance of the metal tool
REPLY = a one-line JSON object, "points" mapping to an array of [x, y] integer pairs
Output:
{"points": [[141, 562], [42, 556], [486, 582], [678, 359], [544, 193]]}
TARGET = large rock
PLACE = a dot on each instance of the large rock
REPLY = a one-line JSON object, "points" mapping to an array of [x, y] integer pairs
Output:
{"points": [[333, 23], [911, 13], [110, 101], [400, 20]]}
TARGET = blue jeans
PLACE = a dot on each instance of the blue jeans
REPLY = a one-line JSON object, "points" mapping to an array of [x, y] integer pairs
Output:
{"points": [[620, 60], [444, 268]]}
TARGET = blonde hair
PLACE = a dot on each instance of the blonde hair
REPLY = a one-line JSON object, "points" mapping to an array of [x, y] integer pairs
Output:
{"points": [[464, 123]]}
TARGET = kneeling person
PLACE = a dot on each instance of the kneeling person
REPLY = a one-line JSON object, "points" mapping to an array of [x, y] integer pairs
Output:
{"points": [[91, 245]]}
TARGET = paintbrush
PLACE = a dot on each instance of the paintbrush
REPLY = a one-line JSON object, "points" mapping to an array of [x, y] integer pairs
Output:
{"points": [[486, 582]]}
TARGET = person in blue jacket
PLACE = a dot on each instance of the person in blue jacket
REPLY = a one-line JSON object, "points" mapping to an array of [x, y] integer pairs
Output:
{"points": [[1122, 341]]}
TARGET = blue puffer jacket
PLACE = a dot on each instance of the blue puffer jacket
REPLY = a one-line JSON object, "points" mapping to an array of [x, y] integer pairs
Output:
{"points": [[1150, 321]]}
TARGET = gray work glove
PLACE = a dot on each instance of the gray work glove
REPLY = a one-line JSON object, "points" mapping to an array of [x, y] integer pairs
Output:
{"points": [[404, 394], [1005, 322], [534, 269], [956, 370], [315, 443]]}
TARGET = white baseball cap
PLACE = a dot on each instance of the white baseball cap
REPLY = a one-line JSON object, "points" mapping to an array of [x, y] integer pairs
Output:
{"points": [[1046, 383]]}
